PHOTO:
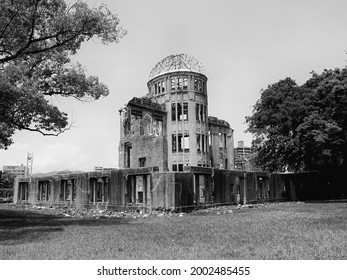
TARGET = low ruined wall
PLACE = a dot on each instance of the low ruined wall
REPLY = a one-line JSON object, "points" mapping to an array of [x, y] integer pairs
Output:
{"points": [[146, 189]]}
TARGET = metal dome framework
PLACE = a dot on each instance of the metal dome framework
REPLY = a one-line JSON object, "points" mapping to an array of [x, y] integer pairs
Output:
{"points": [[178, 62]]}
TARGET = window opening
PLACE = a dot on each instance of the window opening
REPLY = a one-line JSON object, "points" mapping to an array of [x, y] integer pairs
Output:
{"points": [[140, 197], [179, 111], [200, 85], [198, 143], [202, 112], [127, 148], [206, 143], [179, 83], [201, 183], [64, 190], [174, 143], [99, 190], [173, 111], [43, 191], [186, 143], [185, 83], [185, 111], [197, 106], [173, 84], [23, 191], [146, 125], [142, 162], [195, 84], [180, 144]]}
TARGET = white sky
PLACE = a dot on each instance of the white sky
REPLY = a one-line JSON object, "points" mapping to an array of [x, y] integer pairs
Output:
{"points": [[243, 46]]}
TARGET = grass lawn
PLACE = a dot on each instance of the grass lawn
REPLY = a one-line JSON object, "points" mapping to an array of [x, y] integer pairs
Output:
{"points": [[274, 231]]}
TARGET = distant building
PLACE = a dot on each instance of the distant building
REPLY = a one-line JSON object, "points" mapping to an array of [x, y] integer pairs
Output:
{"points": [[14, 169], [170, 127], [242, 156]]}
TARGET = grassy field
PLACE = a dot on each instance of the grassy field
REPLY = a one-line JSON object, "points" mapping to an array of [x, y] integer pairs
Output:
{"points": [[274, 231]]}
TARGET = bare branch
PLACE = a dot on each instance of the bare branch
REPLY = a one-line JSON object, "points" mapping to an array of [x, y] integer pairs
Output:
{"points": [[45, 133]]}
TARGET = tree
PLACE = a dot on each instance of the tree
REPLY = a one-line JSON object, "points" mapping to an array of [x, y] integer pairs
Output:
{"points": [[302, 128], [37, 38]]}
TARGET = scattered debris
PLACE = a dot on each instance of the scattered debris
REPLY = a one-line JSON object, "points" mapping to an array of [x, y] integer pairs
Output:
{"points": [[68, 212]]}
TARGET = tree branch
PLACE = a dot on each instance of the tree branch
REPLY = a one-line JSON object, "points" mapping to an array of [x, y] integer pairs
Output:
{"points": [[45, 133]]}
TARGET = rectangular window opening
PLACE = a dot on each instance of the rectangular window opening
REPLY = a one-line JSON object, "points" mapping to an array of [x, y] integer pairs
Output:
{"points": [[180, 144], [186, 143], [197, 107], [142, 162], [185, 111], [23, 191], [201, 112], [127, 158], [173, 84], [179, 111], [185, 83], [198, 144], [43, 191], [174, 143], [173, 111], [140, 197], [195, 84], [200, 85], [179, 83], [64, 191]]}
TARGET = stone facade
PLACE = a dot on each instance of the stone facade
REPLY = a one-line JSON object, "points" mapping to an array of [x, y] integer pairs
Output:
{"points": [[221, 144], [178, 87], [147, 189], [143, 135]]}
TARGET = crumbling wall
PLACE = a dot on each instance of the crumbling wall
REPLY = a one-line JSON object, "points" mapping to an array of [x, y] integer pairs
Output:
{"points": [[194, 187], [221, 143]]}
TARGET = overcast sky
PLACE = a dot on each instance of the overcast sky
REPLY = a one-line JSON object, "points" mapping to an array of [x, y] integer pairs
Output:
{"points": [[243, 45]]}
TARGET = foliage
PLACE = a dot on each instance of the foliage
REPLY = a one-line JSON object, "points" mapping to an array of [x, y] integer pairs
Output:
{"points": [[301, 128], [37, 38], [6, 180]]}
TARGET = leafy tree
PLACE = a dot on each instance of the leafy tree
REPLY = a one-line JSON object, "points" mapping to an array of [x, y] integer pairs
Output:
{"points": [[301, 128], [37, 38]]}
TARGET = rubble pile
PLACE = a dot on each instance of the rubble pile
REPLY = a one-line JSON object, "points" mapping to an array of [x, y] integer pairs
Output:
{"points": [[106, 213]]}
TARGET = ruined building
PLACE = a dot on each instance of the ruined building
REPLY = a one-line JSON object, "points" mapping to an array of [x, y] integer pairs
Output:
{"points": [[170, 127], [172, 156]]}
